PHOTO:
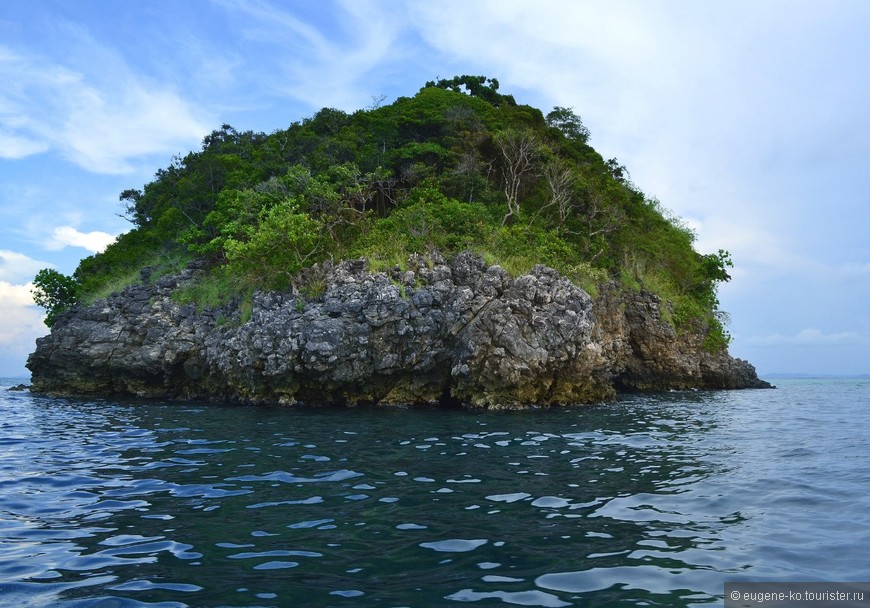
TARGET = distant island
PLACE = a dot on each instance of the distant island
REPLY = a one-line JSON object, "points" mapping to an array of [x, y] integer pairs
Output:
{"points": [[451, 248]]}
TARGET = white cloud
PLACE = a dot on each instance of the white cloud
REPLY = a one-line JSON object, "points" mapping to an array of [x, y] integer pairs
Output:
{"points": [[15, 146], [103, 120], [104, 131], [316, 67], [16, 295], [16, 267], [67, 236], [20, 323], [807, 337]]}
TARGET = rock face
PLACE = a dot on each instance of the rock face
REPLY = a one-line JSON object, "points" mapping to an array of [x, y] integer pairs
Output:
{"points": [[438, 333]]}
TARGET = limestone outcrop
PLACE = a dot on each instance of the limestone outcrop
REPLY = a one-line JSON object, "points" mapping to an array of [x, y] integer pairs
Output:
{"points": [[438, 332]]}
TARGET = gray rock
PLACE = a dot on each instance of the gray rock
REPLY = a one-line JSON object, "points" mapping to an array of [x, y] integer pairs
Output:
{"points": [[434, 333]]}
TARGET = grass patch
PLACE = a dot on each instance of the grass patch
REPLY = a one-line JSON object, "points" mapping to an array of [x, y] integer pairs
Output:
{"points": [[384, 260], [212, 290], [161, 265], [113, 285], [313, 288], [172, 263], [217, 289]]}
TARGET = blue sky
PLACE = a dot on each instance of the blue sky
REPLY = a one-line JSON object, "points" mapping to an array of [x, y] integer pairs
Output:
{"points": [[748, 119]]}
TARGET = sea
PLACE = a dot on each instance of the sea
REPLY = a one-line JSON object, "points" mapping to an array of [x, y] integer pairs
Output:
{"points": [[651, 500]]}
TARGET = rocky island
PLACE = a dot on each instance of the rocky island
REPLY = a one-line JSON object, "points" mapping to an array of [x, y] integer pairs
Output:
{"points": [[451, 249]]}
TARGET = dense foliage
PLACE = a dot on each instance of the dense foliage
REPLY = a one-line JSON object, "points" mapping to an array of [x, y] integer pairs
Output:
{"points": [[457, 166]]}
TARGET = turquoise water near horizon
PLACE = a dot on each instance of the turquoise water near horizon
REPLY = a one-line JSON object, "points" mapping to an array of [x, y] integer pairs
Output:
{"points": [[650, 500]]}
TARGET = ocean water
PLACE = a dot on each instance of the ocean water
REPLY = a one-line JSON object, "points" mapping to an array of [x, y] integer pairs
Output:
{"points": [[649, 501]]}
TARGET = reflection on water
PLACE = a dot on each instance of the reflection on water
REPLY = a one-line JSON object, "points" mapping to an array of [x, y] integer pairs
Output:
{"points": [[648, 501]]}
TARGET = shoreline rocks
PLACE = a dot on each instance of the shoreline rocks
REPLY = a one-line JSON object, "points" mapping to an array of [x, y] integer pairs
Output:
{"points": [[457, 333]]}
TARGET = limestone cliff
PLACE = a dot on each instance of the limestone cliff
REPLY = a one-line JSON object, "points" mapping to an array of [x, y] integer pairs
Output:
{"points": [[437, 333]]}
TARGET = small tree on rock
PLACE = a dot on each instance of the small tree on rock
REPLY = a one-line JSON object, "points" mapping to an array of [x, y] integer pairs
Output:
{"points": [[55, 292]]}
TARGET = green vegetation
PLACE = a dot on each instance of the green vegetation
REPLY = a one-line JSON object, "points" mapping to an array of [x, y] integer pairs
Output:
{"points": [[458, 166], [55, 292]]}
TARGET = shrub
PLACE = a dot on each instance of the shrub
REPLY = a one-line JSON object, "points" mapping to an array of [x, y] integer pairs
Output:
{"points": [[272, 252]]}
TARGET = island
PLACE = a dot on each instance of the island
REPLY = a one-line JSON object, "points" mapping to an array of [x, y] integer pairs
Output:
{"points": [[454, 248]]}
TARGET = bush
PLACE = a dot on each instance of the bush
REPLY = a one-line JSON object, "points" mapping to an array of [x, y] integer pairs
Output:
{"points": [[426, 221], [272, 252]]}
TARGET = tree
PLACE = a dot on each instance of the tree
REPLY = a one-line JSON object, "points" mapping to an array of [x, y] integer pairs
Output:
{"points": [[476, 86], [602, 218], [617, 171], [55, 292], [568, 123], [561, 182], [714, 266], [328, 121], [132, 201], [519, 150]]}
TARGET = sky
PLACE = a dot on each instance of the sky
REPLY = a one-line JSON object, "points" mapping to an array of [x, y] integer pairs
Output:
{"points": [[748, 119]]}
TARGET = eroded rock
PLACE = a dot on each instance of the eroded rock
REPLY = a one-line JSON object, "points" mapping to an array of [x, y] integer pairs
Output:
{"points": [[436, 332]]}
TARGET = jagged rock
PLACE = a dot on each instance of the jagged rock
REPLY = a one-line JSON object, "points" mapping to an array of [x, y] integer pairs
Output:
{"points": [[649, 354], [436, 332]]}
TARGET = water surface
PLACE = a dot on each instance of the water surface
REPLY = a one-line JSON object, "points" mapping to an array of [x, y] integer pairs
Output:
{"points": [[652, 500]]}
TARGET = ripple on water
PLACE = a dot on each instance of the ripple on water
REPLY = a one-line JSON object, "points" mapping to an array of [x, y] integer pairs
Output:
{"points": [[285, 477], [455, 545], [657, 580], [516, 598], [651, 499]]}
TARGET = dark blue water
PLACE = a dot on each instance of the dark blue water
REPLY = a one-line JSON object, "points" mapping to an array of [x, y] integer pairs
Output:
{"points": [[650, 501]]}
